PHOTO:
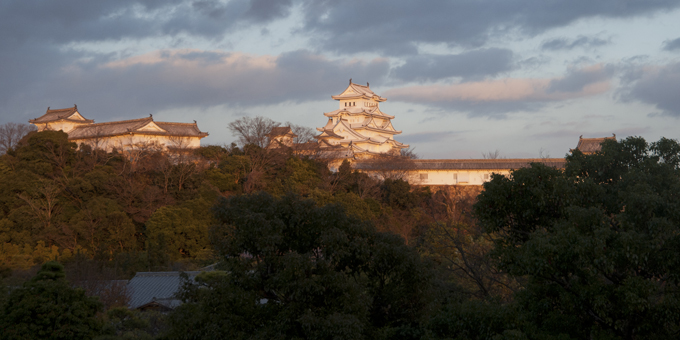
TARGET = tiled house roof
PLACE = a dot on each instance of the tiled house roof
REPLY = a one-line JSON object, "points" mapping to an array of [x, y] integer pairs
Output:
{"points": [[156, 287], [591, 145], [145, 126]]}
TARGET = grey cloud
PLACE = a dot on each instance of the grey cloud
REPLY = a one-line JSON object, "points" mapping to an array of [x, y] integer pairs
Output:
{"points": [[189, 79], [672, 45], [566, 44], [397, 26], [265, 10], [65, 21], [469, 65], [656, 86], [474, 108], [577, 79], [427, 137], [499, 97]]}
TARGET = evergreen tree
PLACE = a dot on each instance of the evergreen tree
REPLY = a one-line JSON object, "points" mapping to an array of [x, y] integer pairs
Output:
{"points": [[47, 307], [296, 270], [598, 243]]}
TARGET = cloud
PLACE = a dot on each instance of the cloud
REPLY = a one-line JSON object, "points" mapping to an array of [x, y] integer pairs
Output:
{"points": [[654, 85], [566, 44], [671, 45], [266, 10], [577, 79], [472, 64], [396, 27], [61, 22], [501, 96], [200, 79], [426, 137]]}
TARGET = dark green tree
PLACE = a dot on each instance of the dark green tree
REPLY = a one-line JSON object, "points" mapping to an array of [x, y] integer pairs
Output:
{"points": [[598, 243], [47, 307], [296, 270]]}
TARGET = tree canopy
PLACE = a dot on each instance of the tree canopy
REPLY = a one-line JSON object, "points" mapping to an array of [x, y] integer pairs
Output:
{"points": [[599, 242], [46, 307], [296, 270]]}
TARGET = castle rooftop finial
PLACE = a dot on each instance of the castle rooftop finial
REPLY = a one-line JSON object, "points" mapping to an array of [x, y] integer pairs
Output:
{"points": [[368, 85], [350, 81]]}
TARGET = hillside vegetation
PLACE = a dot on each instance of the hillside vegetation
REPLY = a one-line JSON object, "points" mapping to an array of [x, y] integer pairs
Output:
{"points": [[588, 252]]}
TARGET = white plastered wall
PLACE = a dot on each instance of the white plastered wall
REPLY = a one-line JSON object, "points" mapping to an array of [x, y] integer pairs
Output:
{"points": [[140, 141], [453, 177]]}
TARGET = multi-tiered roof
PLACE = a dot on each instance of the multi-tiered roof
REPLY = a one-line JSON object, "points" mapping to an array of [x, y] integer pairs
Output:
{"points": [[358, 125]]}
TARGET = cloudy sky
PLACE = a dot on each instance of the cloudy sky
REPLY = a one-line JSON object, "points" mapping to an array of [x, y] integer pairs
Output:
{"points": [[462, 77]]}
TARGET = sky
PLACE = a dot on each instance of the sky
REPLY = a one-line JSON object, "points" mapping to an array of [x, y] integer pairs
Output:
{"points": [[461, 77]]}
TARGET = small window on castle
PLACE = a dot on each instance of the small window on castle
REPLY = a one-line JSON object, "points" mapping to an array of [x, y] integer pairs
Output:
{"points": [[423, 176], [455, 177], [486, 177]]}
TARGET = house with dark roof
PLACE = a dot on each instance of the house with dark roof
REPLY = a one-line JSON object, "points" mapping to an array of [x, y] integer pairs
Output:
{"points": [[124, 134], [156, 290]]}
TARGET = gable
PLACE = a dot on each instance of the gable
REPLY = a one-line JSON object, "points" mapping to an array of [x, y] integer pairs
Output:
{"points": [[151, 126], [348, 90], [76, 116]]}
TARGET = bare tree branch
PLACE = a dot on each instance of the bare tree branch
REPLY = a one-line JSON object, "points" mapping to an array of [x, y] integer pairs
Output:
{"points": [[11, 134], [252, 130], [496, 154]]}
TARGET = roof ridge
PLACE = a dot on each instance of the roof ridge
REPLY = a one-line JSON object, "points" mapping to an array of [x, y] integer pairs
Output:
{"points": [[486, 160], [175, 123], [123, 121]]}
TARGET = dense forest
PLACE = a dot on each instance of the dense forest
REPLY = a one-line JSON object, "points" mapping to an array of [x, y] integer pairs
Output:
{"points": [[591, 251]]}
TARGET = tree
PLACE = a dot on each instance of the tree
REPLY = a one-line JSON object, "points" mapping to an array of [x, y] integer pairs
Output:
{"points": [[390, 166], [184, 228], [11, 134], [296, 270], [598, 243], [303, 134], [253, 137], [47, 152], [46, 307], [496, 154], [125, 324], [253, 130]]}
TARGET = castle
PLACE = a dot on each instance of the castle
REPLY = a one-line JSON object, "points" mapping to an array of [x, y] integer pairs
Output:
{"points": [[124, 134], [359, 126], [358, 131]]}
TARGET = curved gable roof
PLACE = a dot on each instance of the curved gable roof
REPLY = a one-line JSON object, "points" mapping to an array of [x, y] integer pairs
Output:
{"points": [[358, 91], [70, 114]]}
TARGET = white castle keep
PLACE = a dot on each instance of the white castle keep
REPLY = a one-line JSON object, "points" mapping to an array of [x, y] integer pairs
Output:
{"points": [[358, 125]]}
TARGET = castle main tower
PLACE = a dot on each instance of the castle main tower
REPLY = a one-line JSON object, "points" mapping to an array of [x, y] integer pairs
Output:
{"points": [[359, 126]]}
